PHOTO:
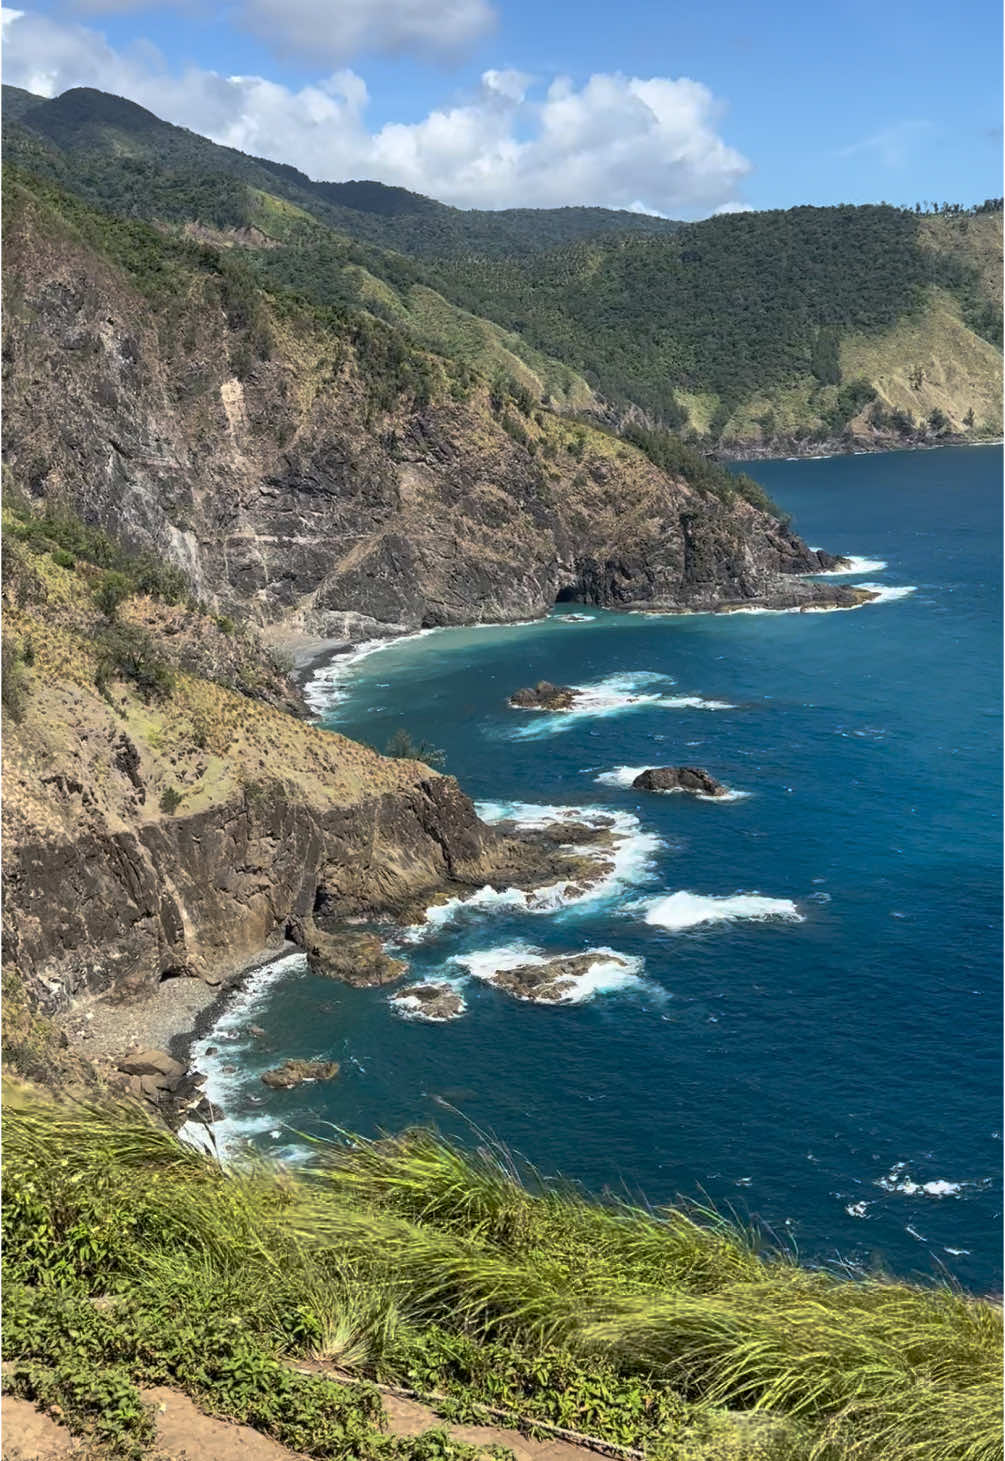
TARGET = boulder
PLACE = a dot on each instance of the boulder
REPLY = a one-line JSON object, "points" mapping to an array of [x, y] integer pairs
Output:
{"points": [[294, 1072], [679, 778], [544, 696], [152, 1063]]}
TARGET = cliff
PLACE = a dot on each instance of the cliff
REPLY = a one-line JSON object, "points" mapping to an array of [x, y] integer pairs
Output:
{"points": [[158, 822], [319, 471]]}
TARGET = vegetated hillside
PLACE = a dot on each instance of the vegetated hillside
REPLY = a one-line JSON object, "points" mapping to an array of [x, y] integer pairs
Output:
{"points": [[299, 462], [284, 1300], [741, 319], [119, 155], [759, 331]]}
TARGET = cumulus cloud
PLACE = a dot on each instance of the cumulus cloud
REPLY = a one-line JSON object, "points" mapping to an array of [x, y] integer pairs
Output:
{"points": [[623, 142]]}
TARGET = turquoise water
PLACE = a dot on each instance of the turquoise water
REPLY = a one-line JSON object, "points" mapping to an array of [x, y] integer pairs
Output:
{"points": [[832, 1069]]}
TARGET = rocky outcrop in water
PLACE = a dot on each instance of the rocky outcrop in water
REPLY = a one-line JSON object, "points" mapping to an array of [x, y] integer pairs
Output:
{"points": [[294, 1072], [544, 696], [432, 1001], [551, 981], [679, 778]]}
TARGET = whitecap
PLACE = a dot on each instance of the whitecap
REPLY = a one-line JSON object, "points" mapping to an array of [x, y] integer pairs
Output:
{"points": [[222, 1086], [688, 910], [888, 593], [629, 856], [854, 565], [958, 1252], [857, 1209], [898, 1179], [612, 696], [327, 685], [609, 970]]}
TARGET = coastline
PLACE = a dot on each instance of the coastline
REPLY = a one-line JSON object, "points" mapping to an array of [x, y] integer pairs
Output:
{"points": [[811, 451]]}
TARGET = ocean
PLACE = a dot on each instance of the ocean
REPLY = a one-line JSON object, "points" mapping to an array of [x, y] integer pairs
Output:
{"points": [[793, 1013]]}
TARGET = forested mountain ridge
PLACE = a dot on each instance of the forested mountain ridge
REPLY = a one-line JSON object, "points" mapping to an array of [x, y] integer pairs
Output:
{"points": [[746, 332]]}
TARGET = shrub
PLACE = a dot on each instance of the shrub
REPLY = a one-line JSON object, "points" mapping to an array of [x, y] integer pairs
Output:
{"points": [[402, 748], [170, 800], [111, 591], [13, 681], [64, 558], [127, 652]]}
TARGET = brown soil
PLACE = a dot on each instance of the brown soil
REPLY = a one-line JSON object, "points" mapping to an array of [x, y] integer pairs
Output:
{"points": [[184, 1433]]}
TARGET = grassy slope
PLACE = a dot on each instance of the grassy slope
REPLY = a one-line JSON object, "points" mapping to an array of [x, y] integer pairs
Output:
{"points": [[455, 1276]]}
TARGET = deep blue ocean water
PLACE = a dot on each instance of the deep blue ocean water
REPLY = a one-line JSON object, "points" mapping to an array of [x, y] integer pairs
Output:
{"points": [[837, 1078]]}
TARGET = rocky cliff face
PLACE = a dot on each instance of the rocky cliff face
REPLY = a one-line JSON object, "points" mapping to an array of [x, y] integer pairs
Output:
{"points": [[282, 468], [149, 837]]}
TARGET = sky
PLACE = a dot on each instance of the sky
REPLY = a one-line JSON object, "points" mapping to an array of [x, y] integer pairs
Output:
{"points": [[684, 111]]}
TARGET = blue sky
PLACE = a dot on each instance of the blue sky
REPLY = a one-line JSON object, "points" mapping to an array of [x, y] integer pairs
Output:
{"points": [[498, 103]]}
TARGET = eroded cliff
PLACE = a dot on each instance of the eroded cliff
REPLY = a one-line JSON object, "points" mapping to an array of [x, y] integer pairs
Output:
{"points": [[319, 472]]}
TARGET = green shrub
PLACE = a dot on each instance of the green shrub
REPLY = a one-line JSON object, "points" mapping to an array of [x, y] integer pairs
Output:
{"points": [[113, 589], [402, 748], [64, 558], [127, 652], [170, 800]]}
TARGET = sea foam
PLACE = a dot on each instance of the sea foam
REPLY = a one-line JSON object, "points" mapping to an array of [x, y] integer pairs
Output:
{"points": [[327, 685], [222, 1086], [613, 696], [625, 775], [629, 855], [609, 970], [688, 910], [855, 565]]}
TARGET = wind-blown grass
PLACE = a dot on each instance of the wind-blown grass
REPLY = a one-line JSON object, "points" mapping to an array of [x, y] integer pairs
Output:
{"points": [[412, 1261]]}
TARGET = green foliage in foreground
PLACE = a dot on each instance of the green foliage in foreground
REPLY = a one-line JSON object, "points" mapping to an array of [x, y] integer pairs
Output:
{"points": [[131, 1259]]}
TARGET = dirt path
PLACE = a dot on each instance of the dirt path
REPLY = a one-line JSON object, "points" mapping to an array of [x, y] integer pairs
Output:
{"points": [[184, 1433]]}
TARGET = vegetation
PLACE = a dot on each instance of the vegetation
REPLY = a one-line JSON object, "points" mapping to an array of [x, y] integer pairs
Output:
{"points": [[691, 323], [13, 680], [128, 652], [401, 747], [68, 539], [130, 1259]]}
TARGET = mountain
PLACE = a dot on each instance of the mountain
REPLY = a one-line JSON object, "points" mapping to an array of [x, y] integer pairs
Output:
{"points": [[750, 333], [117, 154]]}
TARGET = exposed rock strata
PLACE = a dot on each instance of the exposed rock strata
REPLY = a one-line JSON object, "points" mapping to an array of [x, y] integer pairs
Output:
{"points": [[552, 981], [280, 495]]}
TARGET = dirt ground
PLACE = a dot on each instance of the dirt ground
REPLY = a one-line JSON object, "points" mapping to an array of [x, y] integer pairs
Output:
{"points": [[185, 1434]]}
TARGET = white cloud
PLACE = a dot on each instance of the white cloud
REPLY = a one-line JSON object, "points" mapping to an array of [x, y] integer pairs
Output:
{"points": [[614, 141], [328, 31], [733, 206]]}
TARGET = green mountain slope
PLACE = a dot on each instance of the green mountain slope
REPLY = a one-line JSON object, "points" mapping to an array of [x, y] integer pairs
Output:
{"points": [[119, 155], [750, 332]]}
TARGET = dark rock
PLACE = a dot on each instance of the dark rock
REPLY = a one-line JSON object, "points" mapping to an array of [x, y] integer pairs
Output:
{"points": [[679, 778], [294, 1072], [544, 696], [256, 1030]]}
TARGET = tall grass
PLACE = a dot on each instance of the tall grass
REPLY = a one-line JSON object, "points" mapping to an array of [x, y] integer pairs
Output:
{"points": [[384, 1257]]}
